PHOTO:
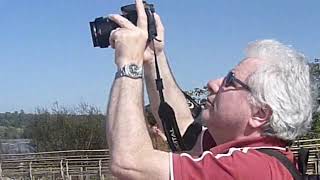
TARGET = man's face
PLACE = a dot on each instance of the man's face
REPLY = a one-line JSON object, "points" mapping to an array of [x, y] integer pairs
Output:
{"points": [[229, 111]]}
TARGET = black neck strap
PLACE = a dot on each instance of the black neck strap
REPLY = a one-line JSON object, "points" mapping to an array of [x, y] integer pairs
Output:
{"points": [[165, 111], [167, 115], [285, 161]]}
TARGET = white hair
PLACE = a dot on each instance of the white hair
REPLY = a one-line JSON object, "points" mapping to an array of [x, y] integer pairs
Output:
{"points": [[283, 84]]}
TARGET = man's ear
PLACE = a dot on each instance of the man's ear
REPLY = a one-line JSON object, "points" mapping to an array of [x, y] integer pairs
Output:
{"points": [[260, 116]]}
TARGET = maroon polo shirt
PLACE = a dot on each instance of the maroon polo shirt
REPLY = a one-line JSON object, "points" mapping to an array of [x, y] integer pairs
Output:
{"points": [[233, 160]]}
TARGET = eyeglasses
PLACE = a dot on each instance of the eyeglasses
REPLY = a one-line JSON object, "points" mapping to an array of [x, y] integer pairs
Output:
{"points": [[230, 80]]}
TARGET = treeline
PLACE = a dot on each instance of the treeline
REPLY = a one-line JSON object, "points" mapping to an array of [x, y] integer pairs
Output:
{"points": [[58, 128], [61, 128]]}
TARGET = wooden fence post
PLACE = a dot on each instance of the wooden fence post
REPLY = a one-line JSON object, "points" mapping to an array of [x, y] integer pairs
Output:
{"points": [[81, 173], [0, 171], [100, 170], [317, 164], [61, 169], [67, 169], [30, 170]]}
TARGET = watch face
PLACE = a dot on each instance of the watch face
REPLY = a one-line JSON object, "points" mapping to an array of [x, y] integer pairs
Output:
{"points": [[134, 71]]}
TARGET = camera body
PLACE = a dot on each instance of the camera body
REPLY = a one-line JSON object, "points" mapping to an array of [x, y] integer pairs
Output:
{"points": [[101, 27]]}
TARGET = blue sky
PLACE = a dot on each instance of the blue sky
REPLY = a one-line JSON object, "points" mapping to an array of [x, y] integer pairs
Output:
{"points": [[46, 53]]}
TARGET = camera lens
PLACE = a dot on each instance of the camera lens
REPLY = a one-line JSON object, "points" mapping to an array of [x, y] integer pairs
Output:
{"points": [[100, 31], [94, 34]]}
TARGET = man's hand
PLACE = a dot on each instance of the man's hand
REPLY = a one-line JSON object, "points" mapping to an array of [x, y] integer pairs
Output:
{"points": [[129, 41], [159, 45]]}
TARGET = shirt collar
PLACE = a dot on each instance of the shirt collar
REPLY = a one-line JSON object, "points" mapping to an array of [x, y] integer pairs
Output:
{"points": [[249, 142]]}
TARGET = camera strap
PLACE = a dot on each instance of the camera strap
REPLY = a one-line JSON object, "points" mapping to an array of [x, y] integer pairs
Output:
{"points": [[167, 115], [165, 111]]}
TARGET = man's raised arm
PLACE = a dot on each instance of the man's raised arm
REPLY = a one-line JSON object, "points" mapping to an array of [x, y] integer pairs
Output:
{"points": [[132, 154]]}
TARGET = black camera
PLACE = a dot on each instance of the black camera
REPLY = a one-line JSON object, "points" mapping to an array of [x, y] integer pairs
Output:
{"points": [[101, 27]]}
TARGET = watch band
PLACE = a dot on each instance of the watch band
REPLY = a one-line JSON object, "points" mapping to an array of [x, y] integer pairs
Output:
{"points": [[119, 73], [132, 71]]}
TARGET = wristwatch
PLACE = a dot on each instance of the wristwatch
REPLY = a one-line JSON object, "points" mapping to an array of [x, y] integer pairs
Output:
{"points": [[130, 70]]}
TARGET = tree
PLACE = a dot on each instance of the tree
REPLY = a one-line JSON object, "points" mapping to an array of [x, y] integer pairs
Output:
{"points": [[315, 78], [81, 127]]}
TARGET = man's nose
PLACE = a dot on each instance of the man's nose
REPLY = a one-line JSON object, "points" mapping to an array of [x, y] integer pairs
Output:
{"points": [[214, 85]]}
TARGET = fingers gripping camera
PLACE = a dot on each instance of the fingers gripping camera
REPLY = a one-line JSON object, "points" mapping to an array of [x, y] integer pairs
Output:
{"points": [[101, 27]]}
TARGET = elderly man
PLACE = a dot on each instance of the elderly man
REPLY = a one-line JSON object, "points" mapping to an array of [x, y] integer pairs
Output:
{"points": [[264, 102]]}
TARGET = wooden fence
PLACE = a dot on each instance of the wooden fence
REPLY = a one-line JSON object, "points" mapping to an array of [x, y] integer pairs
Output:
{"points": [[65, 165], [94, 164], [313, 145]]}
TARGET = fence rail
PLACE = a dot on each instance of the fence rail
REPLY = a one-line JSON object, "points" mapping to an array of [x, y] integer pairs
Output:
{"points": [[84, 164]]}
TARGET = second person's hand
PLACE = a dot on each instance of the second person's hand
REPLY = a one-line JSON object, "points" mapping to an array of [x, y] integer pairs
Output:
{"points": [[159, 45]]}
